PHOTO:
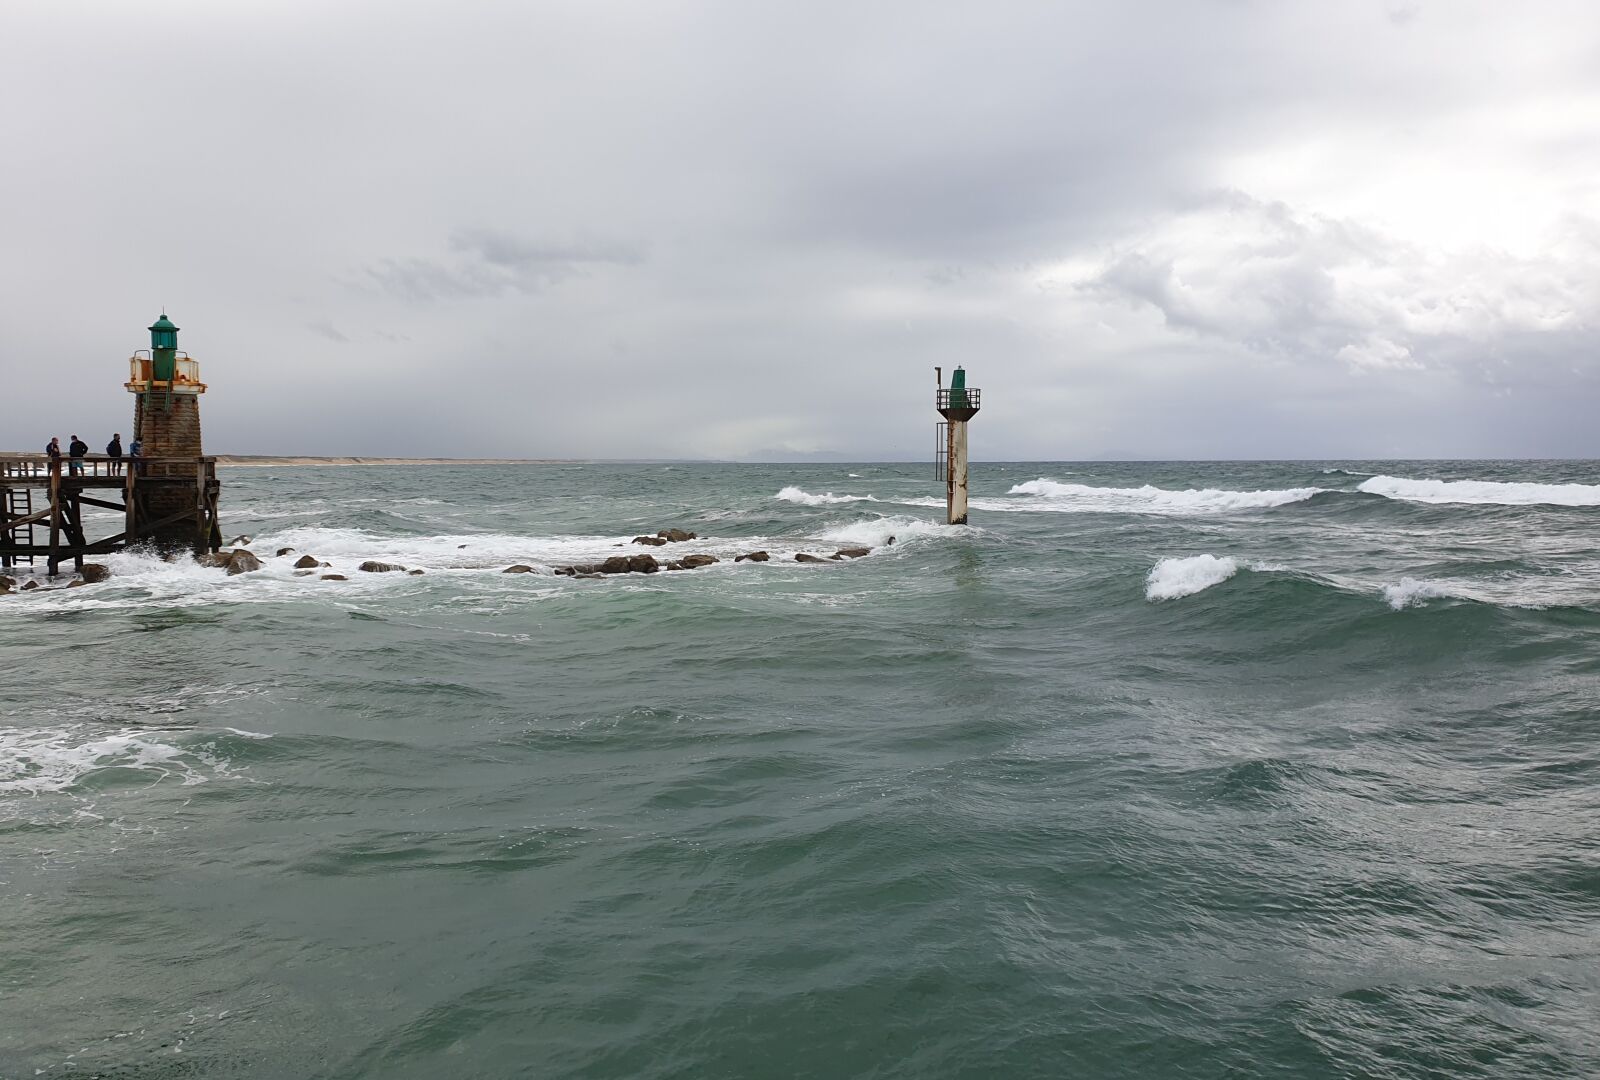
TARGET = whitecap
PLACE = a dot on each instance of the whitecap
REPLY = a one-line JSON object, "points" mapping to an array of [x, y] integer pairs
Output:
{"points": [[1174, 577], [1414, 592], [805, 498], [1481, 491], [1051, 495], [877, 531]]}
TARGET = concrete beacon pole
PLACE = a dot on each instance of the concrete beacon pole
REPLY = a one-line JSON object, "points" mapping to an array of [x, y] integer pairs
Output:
{"points": [[957, 405]]}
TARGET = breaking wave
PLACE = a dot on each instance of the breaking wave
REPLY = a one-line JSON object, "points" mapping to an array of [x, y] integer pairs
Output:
{"points": [[878, 531], [1175, 577], [1414, 592], [1050, 495], [1481, 491], [805, 498]]}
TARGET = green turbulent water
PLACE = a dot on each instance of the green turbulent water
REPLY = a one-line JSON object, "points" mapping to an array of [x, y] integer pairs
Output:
{"points": [[1155, 770]]}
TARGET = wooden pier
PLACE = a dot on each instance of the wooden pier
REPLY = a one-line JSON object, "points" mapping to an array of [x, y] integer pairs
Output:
{"points": [[168, 503]]}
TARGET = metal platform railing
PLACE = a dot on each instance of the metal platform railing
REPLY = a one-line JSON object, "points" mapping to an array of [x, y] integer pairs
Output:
{"points": [[958, 399]]}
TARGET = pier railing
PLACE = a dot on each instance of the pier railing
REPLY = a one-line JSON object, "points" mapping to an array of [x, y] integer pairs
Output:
{"points": [[39, 467], [171, 500]]}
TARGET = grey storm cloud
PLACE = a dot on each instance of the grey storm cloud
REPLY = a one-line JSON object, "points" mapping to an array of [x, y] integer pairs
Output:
{"points": [[484, 262], [721, 229]]}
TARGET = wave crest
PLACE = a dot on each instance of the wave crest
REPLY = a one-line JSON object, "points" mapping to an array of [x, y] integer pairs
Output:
{"points": [[1175, 577], [805, 498], [1481, 491], [1081, 498]]}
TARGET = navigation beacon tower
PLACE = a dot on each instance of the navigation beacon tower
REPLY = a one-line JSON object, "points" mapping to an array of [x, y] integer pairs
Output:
{"points": [[957, 405]]}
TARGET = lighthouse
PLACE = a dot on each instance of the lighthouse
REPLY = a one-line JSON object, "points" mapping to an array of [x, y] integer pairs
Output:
{"points": [[957, 405], [166, 386]]}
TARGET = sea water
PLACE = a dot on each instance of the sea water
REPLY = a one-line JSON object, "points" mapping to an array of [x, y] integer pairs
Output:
{"points": [[1152, 770]]}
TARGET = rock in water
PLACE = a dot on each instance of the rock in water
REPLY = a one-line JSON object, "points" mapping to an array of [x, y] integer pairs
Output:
{"points": [[372, 566], [803, 557], [94, 572], [242, 562], [643, 564], [653, 541], [239, 541], [305, 562], [520, 568], [754, 556], [285, 551], [617, 564], [334, 577], [854, 553], [7, 583], [694, 562], [674, 536], [237, 561], [76, 583], [304, 573], [30, 586], [414, 573]]}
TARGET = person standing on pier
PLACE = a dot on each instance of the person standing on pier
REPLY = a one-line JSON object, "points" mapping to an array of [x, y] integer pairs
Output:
{"points": [[75, 451], [135, 452], [53, 449], [114, 452]]}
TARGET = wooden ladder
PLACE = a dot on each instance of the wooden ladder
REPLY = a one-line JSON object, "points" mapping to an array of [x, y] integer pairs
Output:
{"points": [[19, 503]]}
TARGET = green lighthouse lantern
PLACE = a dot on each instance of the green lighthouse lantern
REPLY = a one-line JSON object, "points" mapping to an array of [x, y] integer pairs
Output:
{"points": [[163, 349], [958, 389]]}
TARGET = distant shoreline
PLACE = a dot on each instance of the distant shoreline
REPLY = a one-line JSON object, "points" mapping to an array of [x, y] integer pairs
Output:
{"points": [[261, 461]]}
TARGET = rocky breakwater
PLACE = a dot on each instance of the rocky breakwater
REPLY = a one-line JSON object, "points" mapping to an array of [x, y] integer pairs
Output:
{"points": [[91, 574], [648, 564]]}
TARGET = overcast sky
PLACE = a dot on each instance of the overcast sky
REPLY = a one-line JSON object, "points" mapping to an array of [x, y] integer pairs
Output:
{"points": [[747, 229]]}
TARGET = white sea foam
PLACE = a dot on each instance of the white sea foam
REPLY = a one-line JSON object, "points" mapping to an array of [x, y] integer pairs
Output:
{"points": [[1481, 491], [33, 762], [1051, 495], [1175, 577], [805, 498], [876, 533]]}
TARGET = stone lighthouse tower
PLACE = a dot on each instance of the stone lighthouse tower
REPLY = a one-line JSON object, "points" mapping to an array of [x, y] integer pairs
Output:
{"points": [[167, 389], [172, 488]]}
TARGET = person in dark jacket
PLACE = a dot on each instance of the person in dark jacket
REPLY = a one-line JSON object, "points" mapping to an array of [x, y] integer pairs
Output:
{"points": [[114, 452], [135, 452], [75, 451], [53, 449]]}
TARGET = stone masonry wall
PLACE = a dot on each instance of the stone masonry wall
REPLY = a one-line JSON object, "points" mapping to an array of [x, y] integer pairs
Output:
{"points": [[173, 431]]}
